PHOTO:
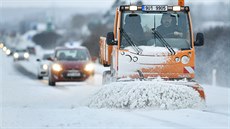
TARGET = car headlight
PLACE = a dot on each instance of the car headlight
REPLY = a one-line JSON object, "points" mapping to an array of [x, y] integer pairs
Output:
{"points": [[56, 67], [1, 45], [185, 59], [89, 67], [8, 51], [26, 55], [4, 49], [45, 66], [16, 55]]}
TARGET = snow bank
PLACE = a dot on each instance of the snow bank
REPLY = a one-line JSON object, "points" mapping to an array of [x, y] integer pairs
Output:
{"points": [[143, 94]]}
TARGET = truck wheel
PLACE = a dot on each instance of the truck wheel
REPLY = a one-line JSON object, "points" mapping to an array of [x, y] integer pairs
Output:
{"points": [[106, 77]]}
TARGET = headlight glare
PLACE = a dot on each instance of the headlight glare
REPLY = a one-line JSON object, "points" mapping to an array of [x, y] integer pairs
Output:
{"points": [[8, 52], [56, 67], [4, 49], [89, 67], [16, 55], [45, 66], [26, 55], [1, 45]]}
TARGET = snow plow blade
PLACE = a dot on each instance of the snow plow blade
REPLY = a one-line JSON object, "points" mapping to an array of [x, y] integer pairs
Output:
{"points": [[156, 94], [193, 85], [200, 90]]}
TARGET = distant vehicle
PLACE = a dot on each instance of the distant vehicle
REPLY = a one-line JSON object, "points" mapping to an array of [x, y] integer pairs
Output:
{"points": [[10, 51], [1, 45], [32, 50], [21, 54], [43, 67], [70, 64]]}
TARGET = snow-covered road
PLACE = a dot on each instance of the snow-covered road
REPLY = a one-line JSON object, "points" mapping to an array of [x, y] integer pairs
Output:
{"points": [[30, 103]]}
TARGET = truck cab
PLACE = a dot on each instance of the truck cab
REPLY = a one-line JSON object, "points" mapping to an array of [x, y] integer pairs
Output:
{"points": [[150, 41]]}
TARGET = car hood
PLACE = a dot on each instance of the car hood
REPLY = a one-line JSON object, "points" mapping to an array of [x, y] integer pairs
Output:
{"points": [[44, 62], [72, 64]]}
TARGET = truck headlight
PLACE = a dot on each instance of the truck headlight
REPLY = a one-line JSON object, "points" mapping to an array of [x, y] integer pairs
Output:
{"points": [[45, 66], [26, 55], [133, 8], [89, 67], [16, 55], [177, 59], [176, 8], [185, 59], [56, 67]]}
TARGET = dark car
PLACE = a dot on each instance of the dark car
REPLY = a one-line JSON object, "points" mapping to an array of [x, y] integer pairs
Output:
{"points": [[21, 54], [70, 64], [31, 50]]}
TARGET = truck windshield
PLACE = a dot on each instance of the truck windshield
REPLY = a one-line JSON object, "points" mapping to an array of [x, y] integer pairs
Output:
{"points": [[145, 28]]}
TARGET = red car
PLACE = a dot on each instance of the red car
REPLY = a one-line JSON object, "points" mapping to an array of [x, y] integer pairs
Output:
{"points": [[70, 64]]}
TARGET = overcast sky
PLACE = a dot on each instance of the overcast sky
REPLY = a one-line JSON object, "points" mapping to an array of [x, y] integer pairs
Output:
{"points": [[86, 3]]}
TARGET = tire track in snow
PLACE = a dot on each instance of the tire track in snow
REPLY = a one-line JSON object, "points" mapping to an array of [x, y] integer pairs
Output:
{"points": [[215, 112], [165, 122], [24, 71]]}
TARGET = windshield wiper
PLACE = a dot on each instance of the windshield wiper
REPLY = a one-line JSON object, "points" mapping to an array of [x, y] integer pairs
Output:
{"points": [[128, 39], [163, 42]]}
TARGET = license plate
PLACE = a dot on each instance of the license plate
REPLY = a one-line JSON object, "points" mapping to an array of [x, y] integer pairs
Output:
{"points": [[154, 8], [73, 74]]}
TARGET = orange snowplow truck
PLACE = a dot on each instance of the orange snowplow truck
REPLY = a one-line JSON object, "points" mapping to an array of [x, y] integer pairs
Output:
{"points": [[151, 41]]}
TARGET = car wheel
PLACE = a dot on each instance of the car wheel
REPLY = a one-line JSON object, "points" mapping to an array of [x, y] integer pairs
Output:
{"points": [[40, 77], [51, 81]]}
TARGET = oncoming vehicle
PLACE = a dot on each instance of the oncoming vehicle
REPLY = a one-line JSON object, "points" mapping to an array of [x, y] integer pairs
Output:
{"points": [[31, 50], [43, 67], [151, 41], [70, 64], [10, 51], [1, 45], [21, 54]]}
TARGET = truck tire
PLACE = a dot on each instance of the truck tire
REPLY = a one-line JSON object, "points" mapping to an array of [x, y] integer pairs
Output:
{"points": [[106, 77]]}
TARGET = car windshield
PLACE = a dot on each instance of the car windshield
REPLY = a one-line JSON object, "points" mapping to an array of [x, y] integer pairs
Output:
{"points": [[46, 56], [156, 29], [72, 55], [21, 50]]}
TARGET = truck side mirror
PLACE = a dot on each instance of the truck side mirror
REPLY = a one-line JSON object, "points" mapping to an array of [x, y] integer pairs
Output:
{"points": [[199, 39], [110, 39]]}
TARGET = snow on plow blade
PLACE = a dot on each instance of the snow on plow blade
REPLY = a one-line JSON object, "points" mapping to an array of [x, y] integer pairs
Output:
{"points": [[191, 84], [148, 94]]}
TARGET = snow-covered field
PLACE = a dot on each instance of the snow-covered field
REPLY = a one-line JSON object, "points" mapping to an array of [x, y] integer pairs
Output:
{"points": [[30, 103]]}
